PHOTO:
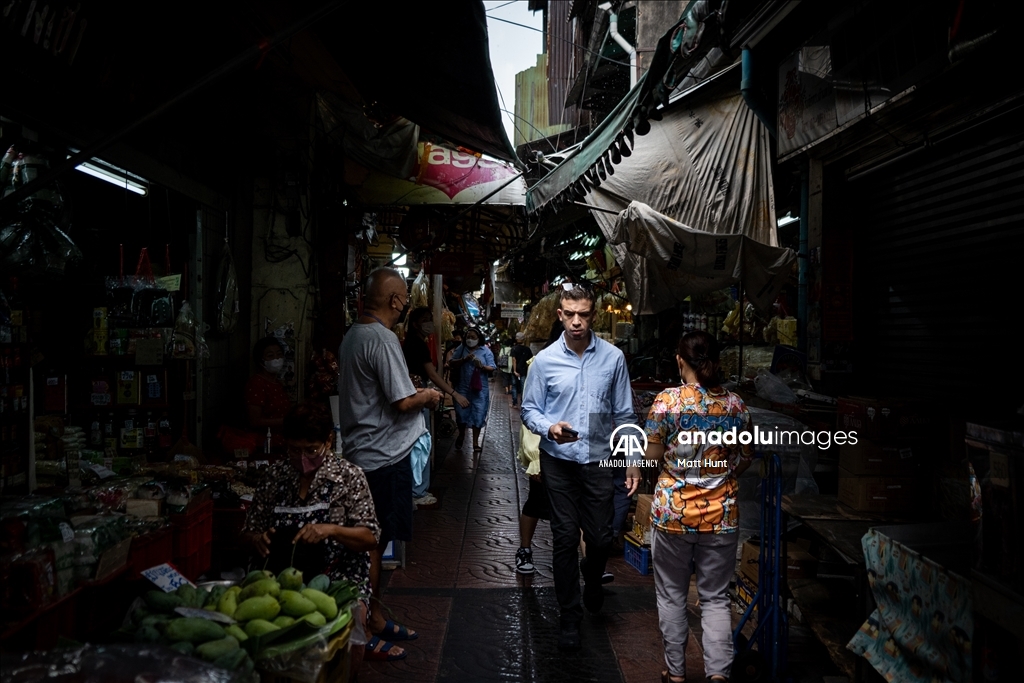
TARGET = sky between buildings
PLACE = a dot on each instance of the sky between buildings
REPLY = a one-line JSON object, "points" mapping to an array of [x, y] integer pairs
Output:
{"points": [[513, 49]]}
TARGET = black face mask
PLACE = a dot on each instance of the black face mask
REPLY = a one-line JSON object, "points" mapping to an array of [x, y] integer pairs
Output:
{"points": [[405, 312]]}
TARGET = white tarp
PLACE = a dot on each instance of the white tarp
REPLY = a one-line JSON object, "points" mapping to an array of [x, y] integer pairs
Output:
{"points": [[707, 165], [666, 261]]}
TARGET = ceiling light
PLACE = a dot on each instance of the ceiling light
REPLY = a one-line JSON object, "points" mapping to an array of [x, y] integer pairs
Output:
{"points": [[114, 175], [787, 219]]}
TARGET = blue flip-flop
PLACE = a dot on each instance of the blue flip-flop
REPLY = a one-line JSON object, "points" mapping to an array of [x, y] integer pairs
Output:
{"points": [[383, 654], [401, 634]]}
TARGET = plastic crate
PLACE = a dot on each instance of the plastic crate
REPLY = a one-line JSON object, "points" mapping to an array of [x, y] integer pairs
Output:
{"points": [[193, 566], [637, 556], [149, 550], [192, 531]]}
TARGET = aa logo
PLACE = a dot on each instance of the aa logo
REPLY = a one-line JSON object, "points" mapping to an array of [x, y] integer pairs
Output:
{"points": [[628, 441]]}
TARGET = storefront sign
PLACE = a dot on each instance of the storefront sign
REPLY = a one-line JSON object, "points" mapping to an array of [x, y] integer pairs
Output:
{"points": [[512, 311]]}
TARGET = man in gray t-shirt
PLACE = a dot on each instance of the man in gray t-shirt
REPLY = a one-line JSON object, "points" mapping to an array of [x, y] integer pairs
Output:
{"points": [[381, 418], [373, 378]]}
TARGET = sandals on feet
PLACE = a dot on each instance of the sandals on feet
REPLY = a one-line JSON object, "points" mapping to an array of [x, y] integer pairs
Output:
{"points": [[665, 678], [378, 650], [396, 632]]}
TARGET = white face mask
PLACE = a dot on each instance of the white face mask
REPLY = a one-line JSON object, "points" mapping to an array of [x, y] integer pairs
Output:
{"points": [[428, 328], [274, 365], [471, 343]]}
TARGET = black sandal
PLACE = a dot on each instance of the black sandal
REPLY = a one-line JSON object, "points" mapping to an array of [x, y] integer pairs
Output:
{"points": [[665, 678]]}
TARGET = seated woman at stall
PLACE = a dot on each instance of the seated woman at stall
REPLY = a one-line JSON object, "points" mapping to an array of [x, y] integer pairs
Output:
{"points": [[694, 514], [313, 511], [266, 400]]}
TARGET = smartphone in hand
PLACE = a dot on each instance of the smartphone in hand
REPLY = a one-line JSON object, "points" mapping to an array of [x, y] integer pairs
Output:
{"points": [[571, 433]]}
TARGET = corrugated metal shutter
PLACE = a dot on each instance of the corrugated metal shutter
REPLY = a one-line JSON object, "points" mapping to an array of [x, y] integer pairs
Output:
{"points": [[939, 268]]}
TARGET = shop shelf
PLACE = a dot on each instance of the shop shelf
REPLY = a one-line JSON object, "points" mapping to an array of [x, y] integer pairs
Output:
{"points": [[637, 556]]}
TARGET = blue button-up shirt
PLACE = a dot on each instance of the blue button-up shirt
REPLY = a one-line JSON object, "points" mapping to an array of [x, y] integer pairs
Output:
{"points": [[591, 393]]}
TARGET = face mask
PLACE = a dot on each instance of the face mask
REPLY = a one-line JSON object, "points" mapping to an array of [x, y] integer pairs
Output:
{"points": [[428, 328], [405, 311], [471, 343], [308, 465], [274, 365]]}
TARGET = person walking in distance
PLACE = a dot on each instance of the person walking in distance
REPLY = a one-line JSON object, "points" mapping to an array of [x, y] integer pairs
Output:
{"points": [[577, 392], [381, 419], [520, 353]]}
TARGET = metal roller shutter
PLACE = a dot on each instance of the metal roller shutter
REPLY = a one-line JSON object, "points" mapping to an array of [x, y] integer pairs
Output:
{"points": [[938, 270]]}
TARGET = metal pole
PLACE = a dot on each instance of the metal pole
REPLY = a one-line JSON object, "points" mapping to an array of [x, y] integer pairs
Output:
{"points": [[740, 373], [94, 148]]}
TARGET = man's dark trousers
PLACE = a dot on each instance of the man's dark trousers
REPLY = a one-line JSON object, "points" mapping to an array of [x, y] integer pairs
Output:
{"points": [[581, 498]]}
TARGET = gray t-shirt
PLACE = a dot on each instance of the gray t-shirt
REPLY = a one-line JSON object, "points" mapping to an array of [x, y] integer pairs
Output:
{"points": [[373, 376]]}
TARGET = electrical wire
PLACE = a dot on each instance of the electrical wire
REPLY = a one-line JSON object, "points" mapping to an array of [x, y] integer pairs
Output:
{"points": [[510, 2], [585, 49]]}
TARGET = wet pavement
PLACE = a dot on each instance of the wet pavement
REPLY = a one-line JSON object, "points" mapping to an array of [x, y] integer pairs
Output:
{"points": [[478, 620]]}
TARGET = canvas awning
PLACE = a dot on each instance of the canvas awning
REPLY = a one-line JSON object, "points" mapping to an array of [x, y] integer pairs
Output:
{"points": [[665, 261]]}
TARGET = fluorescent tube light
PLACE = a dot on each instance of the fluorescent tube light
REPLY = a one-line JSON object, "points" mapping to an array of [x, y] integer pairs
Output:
{"points": [[787, 219], [113, 175]]}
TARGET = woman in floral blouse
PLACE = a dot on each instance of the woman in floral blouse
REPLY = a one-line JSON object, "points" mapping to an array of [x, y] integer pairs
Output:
{"points": [[695, 431], [314, 510]]}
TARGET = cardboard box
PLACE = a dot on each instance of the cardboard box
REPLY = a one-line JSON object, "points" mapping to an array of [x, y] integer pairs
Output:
{"points": [[642, 518], [877, 494], [748, 561], [895, 458], [800, 564], [138, 507], [885, 418]]}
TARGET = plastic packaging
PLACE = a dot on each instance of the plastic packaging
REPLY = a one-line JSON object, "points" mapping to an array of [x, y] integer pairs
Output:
{"points": [[113, 664], [771, 388]]}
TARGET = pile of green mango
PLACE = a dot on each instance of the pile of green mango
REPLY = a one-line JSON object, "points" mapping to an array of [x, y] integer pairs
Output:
{"points": [[261, 604]]}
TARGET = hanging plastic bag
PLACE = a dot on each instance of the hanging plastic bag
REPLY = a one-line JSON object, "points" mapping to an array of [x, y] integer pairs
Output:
{"points": [[227, 292], [188, 341]]}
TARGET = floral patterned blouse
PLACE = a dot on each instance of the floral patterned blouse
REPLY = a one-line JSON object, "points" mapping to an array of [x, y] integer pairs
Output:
{"points": [[696, 491], [338, 494]]}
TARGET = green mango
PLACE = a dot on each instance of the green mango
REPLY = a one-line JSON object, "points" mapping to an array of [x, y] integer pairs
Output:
{"points": [[283, 621], [325, 604], [194, 630], [259, 627], [262, 587], [261, 607], [158, 601], [190, 595], [147, 634], [139, 614], [216, 649], [228, 603], [184, 647], [232, 660], [295, 605], [236, 632], [214, 596], [290, 579], [315, 618], [258, 575], [320, 582]]}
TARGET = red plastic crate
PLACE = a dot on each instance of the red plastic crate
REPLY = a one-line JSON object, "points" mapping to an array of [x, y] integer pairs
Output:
{"points": [[149, 550], [193, 530], [193, 566]]}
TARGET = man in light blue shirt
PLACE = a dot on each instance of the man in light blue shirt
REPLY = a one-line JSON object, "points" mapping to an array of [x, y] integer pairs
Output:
{"points": [[577, 392]]}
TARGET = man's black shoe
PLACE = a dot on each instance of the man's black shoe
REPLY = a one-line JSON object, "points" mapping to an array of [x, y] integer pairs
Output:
{"points": [[569, 638], [593, 596]]}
